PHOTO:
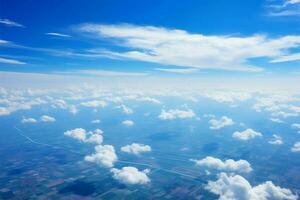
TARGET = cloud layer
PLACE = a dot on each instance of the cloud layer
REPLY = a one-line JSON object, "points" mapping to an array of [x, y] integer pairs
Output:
{"points": [[192, 50]]}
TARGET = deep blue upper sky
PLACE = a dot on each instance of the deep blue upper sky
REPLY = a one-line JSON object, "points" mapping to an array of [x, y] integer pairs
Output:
{"points": [[41, 52]]}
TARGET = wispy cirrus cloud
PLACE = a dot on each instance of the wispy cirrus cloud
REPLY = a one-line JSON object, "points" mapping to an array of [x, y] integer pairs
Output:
{"points": [[191, 50], [11, 61], [9, 22], [284, 8], [58, 34]]}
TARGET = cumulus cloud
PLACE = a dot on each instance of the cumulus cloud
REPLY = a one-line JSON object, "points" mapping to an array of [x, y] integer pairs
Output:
{"points": [[84, 136], [131, 175], [176, 113], [136, 148], [246, 134], [94, 104], [128, 123], [296, 147], [77, 133], [220, 123], [28, 120], [239, 166], [125, 109], [62, 104], [236, 187], [95, 137], [276, 140], [46, 118], [104, 156]]}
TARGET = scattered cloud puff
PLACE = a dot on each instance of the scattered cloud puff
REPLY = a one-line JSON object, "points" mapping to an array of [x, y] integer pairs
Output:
{"points": [[28, 120], [62, 104], [128, 123], [136, 148], [46, 118], [77, 133], [280, 106], [94, 104], [84, 136], [276, 120], [57, 34], [177, 47], [96, 121], [246, 134], [15, 102], [176, 113], [104, 156], [220, 123], [9, 22], [236, 187], [296, 126], [239, 166], [125, 109], [131, 175], [296, 147], [276, 140]]}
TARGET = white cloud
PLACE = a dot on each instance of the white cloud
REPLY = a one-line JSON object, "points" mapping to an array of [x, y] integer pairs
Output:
{"points": [[228, 97], [131, 175], [239, 166], [136, 148], [176, 113], [104, 156], [109, 73], [11, 61], [84, 136], [128, 123], [276, 120], [246, 134], [220, 123], [57, 34], [276, 140], [296, 147], [46, 118], [77, 133], [96, 121], [95, 136], [177, 70], [191, 50], [94, 104], [29, 120], [236, 187], [125, 109], [284, 8], [62, 104], [296, 126], [8, 22]]}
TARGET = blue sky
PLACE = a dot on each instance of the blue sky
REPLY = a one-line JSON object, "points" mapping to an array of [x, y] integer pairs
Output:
{"points": [[138, 38]]}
